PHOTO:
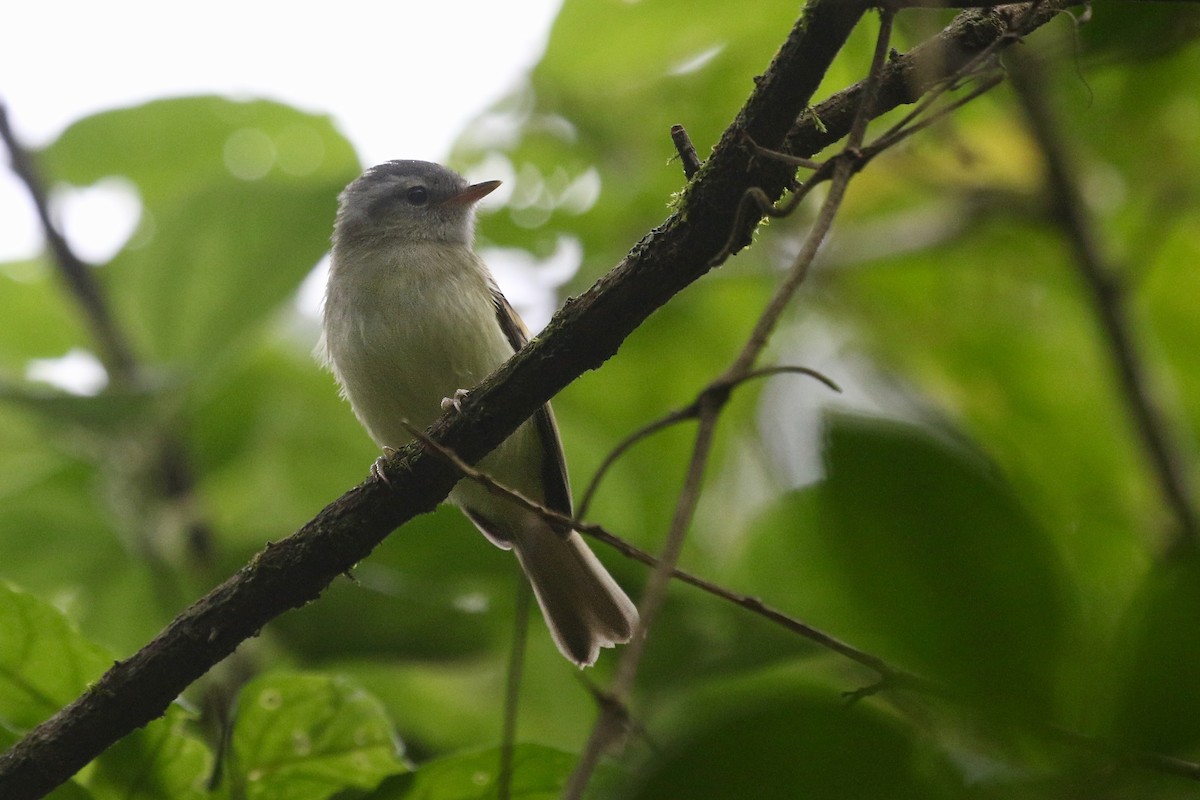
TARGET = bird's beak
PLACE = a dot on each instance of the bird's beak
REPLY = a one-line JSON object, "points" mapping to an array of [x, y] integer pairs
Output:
{"points": [[472, 194]]}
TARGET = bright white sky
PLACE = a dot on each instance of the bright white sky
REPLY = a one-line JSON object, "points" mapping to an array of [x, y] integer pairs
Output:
{"points": [[400, 77]]}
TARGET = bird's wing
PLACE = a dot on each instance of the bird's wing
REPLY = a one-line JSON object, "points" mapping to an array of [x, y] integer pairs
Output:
{"points": [[555, 483]]}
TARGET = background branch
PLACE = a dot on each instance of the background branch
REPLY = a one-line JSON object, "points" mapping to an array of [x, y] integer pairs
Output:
{"points": [[1069, 210], [690, 411], [114, 350], [174, 478]]}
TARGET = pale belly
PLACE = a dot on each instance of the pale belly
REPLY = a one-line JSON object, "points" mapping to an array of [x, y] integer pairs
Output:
{"points": [[400, 351]]}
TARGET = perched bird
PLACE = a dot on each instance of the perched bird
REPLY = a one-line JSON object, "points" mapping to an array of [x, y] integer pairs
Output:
{"points": [[412, 316]]}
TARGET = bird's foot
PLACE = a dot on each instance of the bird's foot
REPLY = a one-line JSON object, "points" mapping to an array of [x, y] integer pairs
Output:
{"points": [[377, 467], [454, 402]]}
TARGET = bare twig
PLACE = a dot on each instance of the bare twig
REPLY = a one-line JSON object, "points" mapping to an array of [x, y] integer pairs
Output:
{"points": [[512, 690], [912, 123], [961, 48], [687, 151], [787, 158], [756, 200], [1107, 294], [679, 415], [1155, 762], [987, 82]]}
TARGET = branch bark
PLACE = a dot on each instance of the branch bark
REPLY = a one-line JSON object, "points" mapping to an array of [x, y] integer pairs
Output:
{"points": [[585, 333]]}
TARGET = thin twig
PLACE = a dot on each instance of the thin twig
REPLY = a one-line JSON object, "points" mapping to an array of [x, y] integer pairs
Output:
{"points": [[512, 690], [645, 432], [973, 68], [891, 138], [843, 168], [1156, 762], [893, 675], [687, 151], [1108, 298], [683, 414], [608, 724], [786, 158], [910, 124], [761, 202]]}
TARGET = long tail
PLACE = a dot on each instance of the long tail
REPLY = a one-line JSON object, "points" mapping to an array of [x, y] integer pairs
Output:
{"points": [[584, 607]]}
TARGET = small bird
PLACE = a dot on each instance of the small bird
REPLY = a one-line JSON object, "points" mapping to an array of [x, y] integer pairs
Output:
{"points": [[412, 315]]}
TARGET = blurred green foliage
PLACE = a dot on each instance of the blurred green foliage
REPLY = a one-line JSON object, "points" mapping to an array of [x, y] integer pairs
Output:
{"points": [[975, 508]]}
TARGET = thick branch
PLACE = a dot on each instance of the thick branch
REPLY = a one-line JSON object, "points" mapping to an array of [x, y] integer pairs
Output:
{"points": [[585, 332]]}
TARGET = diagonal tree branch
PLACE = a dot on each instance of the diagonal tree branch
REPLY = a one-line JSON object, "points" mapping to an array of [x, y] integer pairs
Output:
{"points": [[1109, 301], [115, 351], [585, 333]]}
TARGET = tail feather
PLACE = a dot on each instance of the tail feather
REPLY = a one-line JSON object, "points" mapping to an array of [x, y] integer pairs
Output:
{"points": [[584, 607]]}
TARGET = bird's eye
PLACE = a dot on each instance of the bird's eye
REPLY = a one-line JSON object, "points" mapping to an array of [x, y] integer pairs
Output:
{"points": [[417, 196]]}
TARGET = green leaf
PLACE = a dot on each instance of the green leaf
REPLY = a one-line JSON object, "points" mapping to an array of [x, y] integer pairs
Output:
{"points": [[305, 737], [915, 550], [60, 544], [169, 147], [225, 258], [220, 245], [38, 323], [539, 773], [70, 791], [944, 563], [766, 738], [164, 760], [44, 662]]}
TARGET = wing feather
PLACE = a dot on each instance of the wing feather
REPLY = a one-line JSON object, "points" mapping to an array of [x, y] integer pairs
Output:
{"points": [[555, 483]]}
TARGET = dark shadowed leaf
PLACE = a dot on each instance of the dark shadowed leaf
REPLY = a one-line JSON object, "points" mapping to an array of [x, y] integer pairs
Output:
{"points": [[1158, 707], [773, 740]]}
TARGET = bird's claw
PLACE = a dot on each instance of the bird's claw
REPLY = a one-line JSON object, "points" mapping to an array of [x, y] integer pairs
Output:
{"points": [[454, 402], [377, 467]]}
